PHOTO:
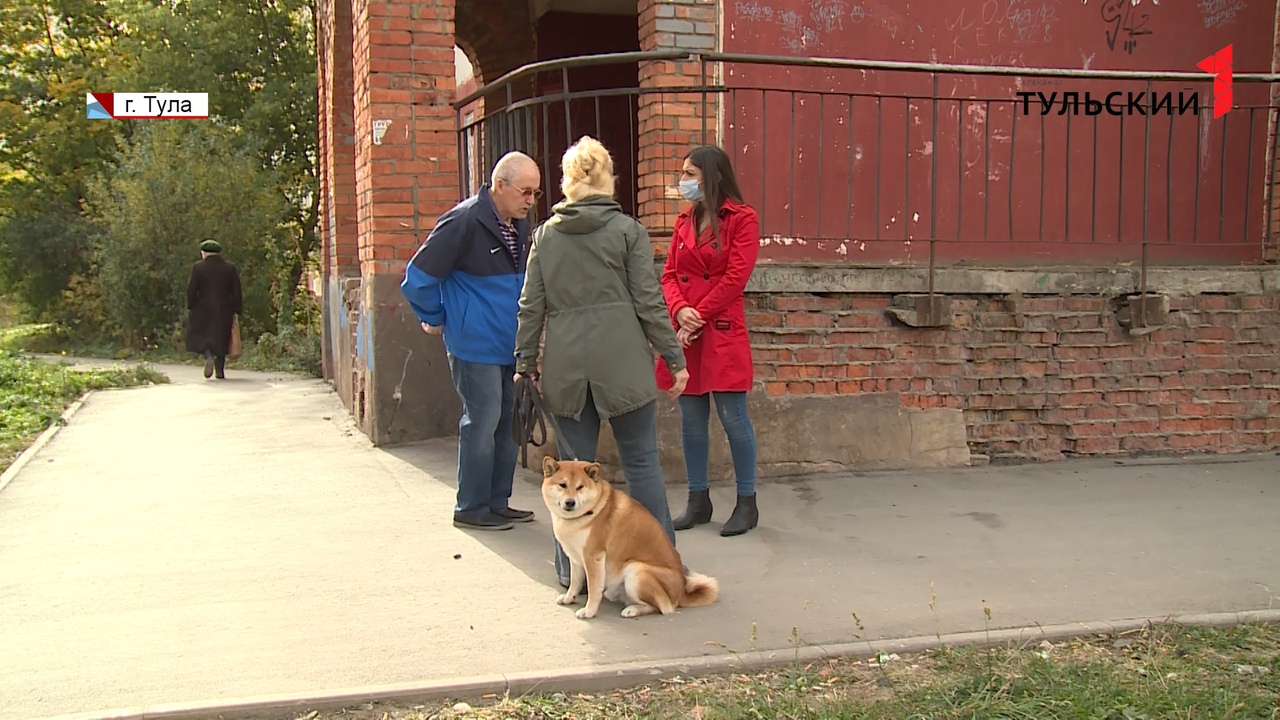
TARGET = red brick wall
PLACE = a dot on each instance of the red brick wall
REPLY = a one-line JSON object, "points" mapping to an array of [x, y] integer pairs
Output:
{"points": [[1042, 377], [670, 122], [339, 227], [404, 72]]}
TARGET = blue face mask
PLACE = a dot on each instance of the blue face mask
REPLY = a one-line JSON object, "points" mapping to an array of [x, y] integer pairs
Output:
{"points": [[690, 190]]}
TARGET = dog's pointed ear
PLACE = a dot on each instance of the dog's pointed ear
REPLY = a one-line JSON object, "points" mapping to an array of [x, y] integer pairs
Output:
{"points": [[593, 471], [550, 466]]}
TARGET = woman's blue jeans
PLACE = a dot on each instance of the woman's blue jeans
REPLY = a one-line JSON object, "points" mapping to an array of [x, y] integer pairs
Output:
{"points": [[695, 417], [636, 434]]}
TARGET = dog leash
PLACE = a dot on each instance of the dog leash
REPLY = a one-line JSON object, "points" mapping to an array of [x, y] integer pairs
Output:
{"points": [[529, 414]]}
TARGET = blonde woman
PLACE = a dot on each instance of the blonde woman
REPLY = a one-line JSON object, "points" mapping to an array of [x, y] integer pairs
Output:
{"points": [[592, 284]]}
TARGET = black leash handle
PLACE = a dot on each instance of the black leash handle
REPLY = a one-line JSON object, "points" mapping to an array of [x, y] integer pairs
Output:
{"points": [[529, 415]]}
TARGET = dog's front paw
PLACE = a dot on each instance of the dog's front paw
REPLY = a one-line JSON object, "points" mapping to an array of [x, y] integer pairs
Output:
{"points": [[585, 613], [566, 599]]}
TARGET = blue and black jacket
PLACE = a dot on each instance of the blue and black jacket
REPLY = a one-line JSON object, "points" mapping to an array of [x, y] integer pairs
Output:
{"points": [[463, 277]]}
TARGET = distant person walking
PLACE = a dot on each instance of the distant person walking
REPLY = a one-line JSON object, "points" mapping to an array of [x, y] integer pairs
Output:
{"points": [[464, 283], [713, 252], [213, 300]]}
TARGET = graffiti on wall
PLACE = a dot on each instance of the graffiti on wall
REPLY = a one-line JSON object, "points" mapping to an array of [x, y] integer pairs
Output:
{"points": [[1217, 13], [802, 28], [1001, 23], [1125, 21]]}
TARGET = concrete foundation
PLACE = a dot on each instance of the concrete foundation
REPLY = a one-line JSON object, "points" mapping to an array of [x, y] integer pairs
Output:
{"points": [[410, 394], [812, 434]]}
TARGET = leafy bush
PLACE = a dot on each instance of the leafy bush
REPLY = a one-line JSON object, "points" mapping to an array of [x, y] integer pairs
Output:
{"points": [[176, 184], [41, 250]]}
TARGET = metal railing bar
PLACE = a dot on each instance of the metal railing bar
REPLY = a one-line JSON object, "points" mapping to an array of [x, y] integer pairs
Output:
{"points": [[1066, 215], [822, 121], [986, 171], [1120, 186], [848, 208], [703, 110], [860, 64], [1248, 175], [564, 80], [791, 206], [569, 97], [764, 156], [879, 157], [1146, 215], [960, 168], [1269, 192], [933, 193], [1222, 179], [1168, 186], [567, 63], [906, 182], [1195, 223], [1043, 154], [546, 153], [1013, 160], [581, 94]]}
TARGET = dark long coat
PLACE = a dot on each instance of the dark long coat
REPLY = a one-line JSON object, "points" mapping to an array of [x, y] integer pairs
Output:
{"points": [[213, 297]]}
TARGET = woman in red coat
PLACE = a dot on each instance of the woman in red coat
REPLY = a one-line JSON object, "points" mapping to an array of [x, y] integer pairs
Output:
{"points": [[706, 272]]}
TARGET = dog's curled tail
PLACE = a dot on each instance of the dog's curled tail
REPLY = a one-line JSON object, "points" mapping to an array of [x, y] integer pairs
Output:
{"points": [[699, 590]]}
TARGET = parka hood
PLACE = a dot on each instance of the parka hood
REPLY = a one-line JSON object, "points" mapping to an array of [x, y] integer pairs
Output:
{"points": [[584, 216]]}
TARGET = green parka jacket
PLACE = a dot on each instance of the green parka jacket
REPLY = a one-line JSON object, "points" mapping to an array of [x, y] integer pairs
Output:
{"points": [[592, 283]]}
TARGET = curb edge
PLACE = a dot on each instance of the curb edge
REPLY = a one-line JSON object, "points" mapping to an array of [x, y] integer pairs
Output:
{"points": [[614, 676]]}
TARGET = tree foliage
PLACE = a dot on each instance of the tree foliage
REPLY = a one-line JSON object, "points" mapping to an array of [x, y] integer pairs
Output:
{"points": [[113, 208], [154, 210]]}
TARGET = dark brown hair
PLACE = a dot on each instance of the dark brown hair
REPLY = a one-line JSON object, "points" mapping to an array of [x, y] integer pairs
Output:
{"points": [[718, 184]]}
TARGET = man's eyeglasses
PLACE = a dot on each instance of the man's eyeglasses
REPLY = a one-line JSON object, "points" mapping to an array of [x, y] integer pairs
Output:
{"points": [[534, 193]]}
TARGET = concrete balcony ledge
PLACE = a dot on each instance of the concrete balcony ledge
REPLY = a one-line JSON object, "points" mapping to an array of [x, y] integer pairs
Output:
{"points": [[1190, 280]]}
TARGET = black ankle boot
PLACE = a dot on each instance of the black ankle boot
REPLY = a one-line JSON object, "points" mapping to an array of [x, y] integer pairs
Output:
{"points": [[744, 517], [697, 513]]}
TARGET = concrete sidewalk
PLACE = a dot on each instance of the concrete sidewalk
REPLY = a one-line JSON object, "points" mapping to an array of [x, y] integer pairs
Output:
{"points": [[206, 541]]}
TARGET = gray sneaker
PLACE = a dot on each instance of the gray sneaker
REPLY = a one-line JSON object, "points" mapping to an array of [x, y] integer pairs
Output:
{"points": [[484, 520]]}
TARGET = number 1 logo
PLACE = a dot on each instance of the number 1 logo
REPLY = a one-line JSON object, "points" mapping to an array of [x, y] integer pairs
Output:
{"points": [[1219, 64]]}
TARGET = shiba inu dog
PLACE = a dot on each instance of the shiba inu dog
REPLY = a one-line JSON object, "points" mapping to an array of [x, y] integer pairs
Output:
{"points": [[616, 546]]}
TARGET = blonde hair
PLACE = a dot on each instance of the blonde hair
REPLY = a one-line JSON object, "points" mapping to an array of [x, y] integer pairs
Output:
{"points": [[587, 169]]}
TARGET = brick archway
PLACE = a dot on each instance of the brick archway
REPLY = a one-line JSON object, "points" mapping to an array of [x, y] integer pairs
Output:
{"points": [[389, 166], [496, 36]]}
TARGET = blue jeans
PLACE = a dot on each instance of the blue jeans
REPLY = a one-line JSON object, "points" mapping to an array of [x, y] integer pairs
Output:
{"points": [[486, 451], [695, 416], [636, 434]]}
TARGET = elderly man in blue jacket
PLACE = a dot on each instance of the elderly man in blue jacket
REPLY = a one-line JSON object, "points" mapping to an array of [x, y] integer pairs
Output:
{"points": [[465, 282]]}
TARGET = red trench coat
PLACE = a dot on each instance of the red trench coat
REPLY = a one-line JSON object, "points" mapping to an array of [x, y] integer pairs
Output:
{"points": [[711, 277]]}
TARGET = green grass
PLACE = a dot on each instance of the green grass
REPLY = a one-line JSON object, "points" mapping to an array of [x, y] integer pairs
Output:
{"points": [[1163, 671], [287, 352], [33, 395]]}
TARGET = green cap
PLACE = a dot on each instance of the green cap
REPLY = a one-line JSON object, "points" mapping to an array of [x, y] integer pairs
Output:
{"points": [[210, 246]]}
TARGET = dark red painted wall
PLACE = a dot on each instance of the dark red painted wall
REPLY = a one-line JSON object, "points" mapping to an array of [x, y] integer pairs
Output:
{"points": [[841, 171], [611, 120]]}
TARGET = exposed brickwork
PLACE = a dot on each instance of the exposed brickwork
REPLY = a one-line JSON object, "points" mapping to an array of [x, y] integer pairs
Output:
{"points": [[670, 123], [339, 226], [1042, 377], [404, 73]]}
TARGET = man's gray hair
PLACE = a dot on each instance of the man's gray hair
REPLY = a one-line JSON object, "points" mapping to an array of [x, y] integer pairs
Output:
{"points": [[509, 165]]}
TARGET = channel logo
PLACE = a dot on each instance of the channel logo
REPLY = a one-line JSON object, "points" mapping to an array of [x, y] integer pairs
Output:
{"points": [[146, 106], [1219, 65]]}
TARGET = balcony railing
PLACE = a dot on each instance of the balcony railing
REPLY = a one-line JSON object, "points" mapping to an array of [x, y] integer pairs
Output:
{"points": [[880, 162]]}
